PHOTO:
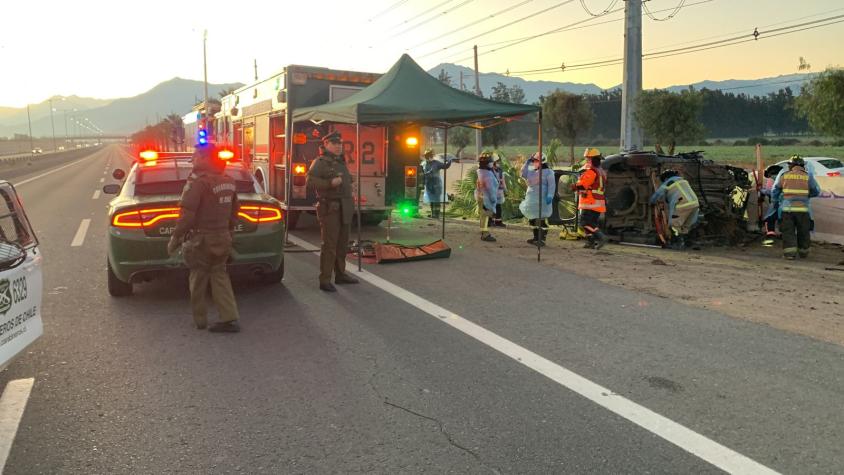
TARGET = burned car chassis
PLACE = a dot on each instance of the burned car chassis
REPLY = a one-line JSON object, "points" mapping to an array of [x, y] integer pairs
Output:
{"points": [[631, 180]]}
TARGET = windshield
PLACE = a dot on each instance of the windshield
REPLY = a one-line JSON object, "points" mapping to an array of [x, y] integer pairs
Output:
{"points": [[170, 180], [14, 226], [831, 163]]}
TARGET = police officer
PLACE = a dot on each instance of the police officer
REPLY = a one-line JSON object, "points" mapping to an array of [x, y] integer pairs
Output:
{"points": [[332, 181], [208, 212]]}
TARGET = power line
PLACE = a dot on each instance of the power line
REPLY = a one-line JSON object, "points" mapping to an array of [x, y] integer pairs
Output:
{"points": [[464, 27], [606, 10], [732, 33], [499, 27], [560, 30], [424, 22], [389, 9], [670, 15], [419, 15], [755, 36]]}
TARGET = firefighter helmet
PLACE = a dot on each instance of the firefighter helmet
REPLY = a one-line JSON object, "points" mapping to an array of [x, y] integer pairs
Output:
{"points": [[428, 153], [591, 152], [796, 161], [665, 175]]}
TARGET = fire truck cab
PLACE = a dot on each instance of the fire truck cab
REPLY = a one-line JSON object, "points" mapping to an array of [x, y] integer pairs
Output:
{"points": [[256, 122]]}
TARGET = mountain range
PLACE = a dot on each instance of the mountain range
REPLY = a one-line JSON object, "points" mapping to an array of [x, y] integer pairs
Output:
{"points": [[534, 89], [115, 116], [177, 96]]}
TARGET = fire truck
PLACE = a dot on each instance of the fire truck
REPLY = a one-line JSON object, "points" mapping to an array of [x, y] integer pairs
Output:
{"points": [[256, 122]]}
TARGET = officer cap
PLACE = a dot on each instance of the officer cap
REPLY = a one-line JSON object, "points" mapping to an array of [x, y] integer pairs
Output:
{"points": [[333, 137], [536, 155]]}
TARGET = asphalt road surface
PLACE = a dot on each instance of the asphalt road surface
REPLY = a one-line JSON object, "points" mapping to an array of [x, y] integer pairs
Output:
{"points": [[475, 364]]}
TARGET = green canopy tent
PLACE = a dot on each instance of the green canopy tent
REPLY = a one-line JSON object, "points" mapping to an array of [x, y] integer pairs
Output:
{"points": [[408, 94]]}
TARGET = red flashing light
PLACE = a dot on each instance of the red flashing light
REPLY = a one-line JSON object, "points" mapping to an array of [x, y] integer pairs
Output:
{"points": [[225, 155], [299, 169], [411, 142], [260, 214], [149, 155], [833, 174]]}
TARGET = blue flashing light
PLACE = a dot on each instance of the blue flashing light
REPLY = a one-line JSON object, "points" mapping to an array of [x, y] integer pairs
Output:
{"points": [[202, 138]]}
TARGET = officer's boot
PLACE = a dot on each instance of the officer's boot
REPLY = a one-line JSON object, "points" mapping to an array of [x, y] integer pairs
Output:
{"points": [[543, 232], [590, 242], [600, 239], [532, 241]]}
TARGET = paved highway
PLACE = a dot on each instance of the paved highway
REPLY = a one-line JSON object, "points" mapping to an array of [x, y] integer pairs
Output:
{"points": [[476, 364]]}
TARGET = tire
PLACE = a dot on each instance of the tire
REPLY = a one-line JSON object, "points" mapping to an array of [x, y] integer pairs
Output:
{"points": [[116, 287], [273, 277]]}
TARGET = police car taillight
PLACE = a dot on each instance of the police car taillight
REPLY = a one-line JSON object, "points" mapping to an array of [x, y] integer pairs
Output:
{"points": [[143, 217], [225, 155], [260, 213]]}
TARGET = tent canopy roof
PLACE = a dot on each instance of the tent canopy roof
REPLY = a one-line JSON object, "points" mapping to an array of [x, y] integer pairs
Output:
{"points": [[407, 93]]}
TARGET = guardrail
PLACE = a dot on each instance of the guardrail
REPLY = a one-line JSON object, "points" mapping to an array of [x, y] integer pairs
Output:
{"points": [[8, 160]]}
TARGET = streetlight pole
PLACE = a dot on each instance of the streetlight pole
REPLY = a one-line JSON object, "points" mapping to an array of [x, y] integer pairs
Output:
{"points": [[29, 121], [205, 73], [52, 123]]}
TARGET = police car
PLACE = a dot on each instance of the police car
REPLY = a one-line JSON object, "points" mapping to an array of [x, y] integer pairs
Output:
{"points": [[144, 213], [20, 278]]}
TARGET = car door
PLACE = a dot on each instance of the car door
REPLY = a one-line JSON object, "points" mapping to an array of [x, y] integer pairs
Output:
{"points": [[20, 278]]}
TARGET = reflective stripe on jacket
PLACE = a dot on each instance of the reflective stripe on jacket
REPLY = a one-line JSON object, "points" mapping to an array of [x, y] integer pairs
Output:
{"points": [[678, 193], [793, 188], [591, 189]]}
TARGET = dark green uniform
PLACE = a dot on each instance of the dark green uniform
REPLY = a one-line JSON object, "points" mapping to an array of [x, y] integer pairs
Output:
{"points": [[208, 212], [335, 209]]}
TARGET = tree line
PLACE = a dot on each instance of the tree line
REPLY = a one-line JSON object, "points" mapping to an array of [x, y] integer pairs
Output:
{"points": [[667, 118]]}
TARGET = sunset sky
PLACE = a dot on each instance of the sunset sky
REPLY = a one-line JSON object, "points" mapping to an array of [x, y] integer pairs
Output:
{"points": [[110, 49]]}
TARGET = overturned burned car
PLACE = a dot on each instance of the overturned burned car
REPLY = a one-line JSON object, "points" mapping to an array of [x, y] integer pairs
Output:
{"points": [[631, 179]]}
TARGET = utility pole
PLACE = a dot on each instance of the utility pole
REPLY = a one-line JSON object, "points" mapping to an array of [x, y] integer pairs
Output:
{"points": [[52, 124], [29, 121], [462, 86], [631, 134], [478, 143], [255, 62]]}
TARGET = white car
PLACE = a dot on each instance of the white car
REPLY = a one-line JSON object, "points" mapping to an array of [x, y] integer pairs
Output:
{"points": [[20, 278], [36, 150], [820, 166]]}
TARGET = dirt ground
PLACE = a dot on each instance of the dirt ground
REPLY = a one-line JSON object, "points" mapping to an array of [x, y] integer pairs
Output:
{"points": [[751, 283]]}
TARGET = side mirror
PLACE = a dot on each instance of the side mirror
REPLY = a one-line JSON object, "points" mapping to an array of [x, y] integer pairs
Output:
{"points": [[118, 174], [11, 255], [111, 189]]}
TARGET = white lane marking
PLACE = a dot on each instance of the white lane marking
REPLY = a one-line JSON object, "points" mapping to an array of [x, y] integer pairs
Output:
{"points": [[699, 445], [52, 171], [96, 195], [80, 233], [12, 404], [102, 180]]}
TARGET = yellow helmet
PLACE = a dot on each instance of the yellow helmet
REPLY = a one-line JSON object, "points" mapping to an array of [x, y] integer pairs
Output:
{"points": [[591, 152]]}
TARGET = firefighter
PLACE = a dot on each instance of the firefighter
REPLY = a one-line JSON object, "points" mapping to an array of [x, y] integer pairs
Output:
{"points": [[793, 188], [591, 202], [433, 182], [208, 213], [498, 221], [332, 181], [486, 193], [536, 169], [683, 206]]}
